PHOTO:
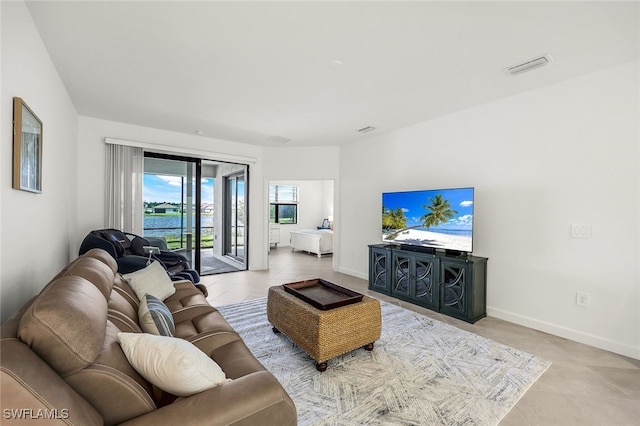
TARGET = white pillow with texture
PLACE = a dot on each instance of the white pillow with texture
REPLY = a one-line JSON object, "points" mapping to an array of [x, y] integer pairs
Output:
{"points": [[152, 280], [170, 363]]}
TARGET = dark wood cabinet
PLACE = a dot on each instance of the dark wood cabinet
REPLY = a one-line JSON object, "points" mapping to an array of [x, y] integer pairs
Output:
{"points": [[414, 278], [463, 287], [379, 267], [452, 285]]}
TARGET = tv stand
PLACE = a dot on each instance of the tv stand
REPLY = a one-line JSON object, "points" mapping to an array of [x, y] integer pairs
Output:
{"points": [[450, 283]]}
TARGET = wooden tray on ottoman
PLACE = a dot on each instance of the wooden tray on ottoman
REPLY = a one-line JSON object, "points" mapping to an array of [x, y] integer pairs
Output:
{"points": [[322, 294]]}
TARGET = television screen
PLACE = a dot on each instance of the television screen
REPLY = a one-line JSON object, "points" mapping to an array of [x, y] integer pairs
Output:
{"points": [[439, 218]]}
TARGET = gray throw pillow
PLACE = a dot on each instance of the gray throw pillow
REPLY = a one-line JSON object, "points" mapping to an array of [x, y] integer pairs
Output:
{"points": [[155, 317]]}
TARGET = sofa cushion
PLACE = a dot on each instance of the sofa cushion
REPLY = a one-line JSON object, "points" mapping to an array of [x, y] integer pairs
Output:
{"points": [[123, 312], [155, 317], [66, 324], [194, 320], [95, 271], [104, 257], [172, 364], [67, 327], [46, 388], [152, 280], [27, 382], [186, 295]]}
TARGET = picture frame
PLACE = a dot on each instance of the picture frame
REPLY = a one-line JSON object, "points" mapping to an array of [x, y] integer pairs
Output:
{"points": [[27, 148]]}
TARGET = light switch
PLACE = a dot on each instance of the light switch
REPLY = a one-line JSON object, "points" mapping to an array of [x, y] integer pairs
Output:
{"points": [[580, 231]]}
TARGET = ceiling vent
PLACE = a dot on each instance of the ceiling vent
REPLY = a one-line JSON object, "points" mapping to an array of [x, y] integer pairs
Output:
{"points": [[366, 129], [278, 139], [529, 65]]}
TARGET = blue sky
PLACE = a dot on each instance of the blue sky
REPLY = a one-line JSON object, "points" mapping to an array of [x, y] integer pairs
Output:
{"points": [[411, 202], [162, 188]]}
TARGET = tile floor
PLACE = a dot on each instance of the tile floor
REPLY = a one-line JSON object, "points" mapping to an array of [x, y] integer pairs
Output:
{"points": [[583, 386]]}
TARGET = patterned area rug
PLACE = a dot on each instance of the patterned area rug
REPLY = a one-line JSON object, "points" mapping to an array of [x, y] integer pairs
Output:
{"points": [[421, 372]]}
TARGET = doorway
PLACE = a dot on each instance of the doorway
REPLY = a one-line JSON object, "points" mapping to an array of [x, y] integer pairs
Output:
{"points": [[185, 207], [297, 205]]}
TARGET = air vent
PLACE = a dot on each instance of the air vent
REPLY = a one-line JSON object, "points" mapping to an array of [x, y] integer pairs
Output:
{"points": [[366, 129], [529, 65], [278, 139]]}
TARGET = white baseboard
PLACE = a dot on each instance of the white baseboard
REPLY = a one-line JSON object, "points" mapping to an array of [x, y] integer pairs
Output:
{"points": [[556, 330], [354, 273], [575, 335]]}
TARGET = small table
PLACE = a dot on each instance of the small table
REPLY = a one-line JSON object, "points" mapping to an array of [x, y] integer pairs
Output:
{"points": [[324, 334]]}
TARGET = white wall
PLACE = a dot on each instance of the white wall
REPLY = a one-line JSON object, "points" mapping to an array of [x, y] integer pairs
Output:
{"points": [[539, 162], [91, 152], [301, 163], [35, 228]]}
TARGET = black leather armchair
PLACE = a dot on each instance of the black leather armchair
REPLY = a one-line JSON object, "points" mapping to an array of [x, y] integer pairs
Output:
{"points": [[129, 252]]}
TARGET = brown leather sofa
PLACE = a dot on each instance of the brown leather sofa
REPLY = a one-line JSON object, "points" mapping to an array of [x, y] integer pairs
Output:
{"points": [[61, 361]]}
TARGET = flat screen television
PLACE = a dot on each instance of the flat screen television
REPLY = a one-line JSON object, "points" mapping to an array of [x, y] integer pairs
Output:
{"points": [[433, 219]]}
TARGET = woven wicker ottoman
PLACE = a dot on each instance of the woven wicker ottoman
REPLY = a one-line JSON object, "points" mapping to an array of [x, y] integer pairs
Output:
{"points": [[324, 334]]}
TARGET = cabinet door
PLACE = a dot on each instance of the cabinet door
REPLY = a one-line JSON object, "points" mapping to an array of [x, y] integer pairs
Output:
{"points": [[379, 279], [401, 276], [425, 282], [274, 234], [454, 299]]}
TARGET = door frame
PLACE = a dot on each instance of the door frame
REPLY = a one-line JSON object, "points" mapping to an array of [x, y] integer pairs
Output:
{"points": [[226, 234], [198, 197]]}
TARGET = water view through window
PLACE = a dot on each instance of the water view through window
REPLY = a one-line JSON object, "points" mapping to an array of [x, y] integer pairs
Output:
{"points": [[165, 210]]}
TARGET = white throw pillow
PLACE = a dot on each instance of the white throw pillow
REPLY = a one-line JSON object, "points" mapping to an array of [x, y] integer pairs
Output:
{"points": [[152, 280], [172, 364], [154, 317]]}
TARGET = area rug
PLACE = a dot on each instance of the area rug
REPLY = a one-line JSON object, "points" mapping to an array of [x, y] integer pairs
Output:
{"points": [[421, 372]]}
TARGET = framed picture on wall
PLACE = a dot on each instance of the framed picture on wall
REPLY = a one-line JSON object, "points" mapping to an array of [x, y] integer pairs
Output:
{"points": [[27, 148]]}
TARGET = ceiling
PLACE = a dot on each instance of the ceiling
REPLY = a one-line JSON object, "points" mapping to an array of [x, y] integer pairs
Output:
{"points": [[264, 72]]}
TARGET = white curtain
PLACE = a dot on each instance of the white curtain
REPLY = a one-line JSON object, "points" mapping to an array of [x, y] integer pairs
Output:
{"points": [[123, 202]]}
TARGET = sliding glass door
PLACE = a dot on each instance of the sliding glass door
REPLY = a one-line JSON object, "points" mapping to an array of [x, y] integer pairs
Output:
{"points": [[197, 207], [235, 216], [171, 197]]}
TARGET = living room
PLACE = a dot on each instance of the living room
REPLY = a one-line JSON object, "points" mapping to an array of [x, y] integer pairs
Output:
{"points": [[542, 160]]}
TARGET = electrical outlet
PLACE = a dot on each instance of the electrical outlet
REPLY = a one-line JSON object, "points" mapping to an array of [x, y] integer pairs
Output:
{"points": [[582, 299]]}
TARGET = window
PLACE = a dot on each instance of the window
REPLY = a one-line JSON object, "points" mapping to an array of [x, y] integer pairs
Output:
{"points": [[283, 204]]}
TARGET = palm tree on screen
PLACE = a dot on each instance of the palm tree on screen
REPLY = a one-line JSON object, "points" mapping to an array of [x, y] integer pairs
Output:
{"points": [[440, 211], [393, 219]]}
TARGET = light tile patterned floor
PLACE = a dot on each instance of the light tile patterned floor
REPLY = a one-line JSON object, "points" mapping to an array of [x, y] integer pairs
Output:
{"points": [[584, 386]]}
